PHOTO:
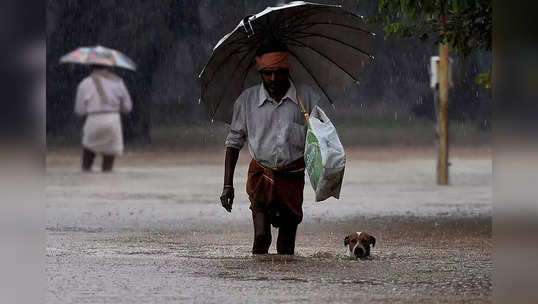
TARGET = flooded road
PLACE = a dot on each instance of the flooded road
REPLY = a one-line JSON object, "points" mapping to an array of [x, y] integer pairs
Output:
{"points": [[154, 232]]}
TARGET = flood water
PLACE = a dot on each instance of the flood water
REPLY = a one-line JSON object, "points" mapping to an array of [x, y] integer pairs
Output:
{"points": [[154, 232]]}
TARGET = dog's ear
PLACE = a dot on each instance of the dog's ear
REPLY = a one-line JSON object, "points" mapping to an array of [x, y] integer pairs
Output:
{"points": [[346, 241], [371, 239]]}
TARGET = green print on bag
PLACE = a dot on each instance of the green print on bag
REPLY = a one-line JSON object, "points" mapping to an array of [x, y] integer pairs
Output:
{"points": [[313, 160]]}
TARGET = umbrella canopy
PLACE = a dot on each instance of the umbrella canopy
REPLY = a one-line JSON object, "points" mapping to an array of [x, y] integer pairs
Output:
{"points": [[99, 55], [328, 48]]}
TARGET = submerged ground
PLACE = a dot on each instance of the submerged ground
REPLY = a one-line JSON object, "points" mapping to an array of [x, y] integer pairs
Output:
{"points": [[153, 231]]}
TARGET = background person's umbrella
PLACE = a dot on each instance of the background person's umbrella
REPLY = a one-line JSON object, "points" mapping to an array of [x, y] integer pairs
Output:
{"points": [[99, 55], [328, 48]]}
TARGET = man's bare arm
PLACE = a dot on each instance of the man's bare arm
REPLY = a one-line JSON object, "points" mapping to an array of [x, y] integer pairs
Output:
{"points": [[227, 197]]}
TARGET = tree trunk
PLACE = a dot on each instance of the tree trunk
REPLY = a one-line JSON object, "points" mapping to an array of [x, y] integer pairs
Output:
{"points": [[442, 158]]}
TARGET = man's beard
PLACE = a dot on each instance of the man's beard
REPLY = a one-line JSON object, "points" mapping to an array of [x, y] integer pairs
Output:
{"points": [[277, 88]]}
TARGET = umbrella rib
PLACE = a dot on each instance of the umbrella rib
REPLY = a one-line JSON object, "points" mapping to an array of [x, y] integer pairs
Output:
{"points": [[242, 59], [245, 76], [236, 41], [235, 52], [311, 75], [309, 25], [336, 40], [247, 52], [219, 101], [324, 56], [298, 18], [240, 40]]}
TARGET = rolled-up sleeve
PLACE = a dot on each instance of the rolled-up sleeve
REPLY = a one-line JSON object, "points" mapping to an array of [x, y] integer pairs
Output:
{"points": [[238, 131]]}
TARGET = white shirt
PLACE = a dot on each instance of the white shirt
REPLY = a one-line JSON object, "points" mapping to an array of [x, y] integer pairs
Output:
{"points": [[88, 100], [275, 131]]}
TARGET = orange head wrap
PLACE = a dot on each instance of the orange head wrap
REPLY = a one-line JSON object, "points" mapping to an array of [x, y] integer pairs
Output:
{"points": [[273, 60]]}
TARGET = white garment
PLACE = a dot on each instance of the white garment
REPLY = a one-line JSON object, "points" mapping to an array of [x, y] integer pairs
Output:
{"points": [[102, 133], [88, 100]]}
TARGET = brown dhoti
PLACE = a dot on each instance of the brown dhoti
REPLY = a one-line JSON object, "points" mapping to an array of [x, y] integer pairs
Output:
{"points": [[277, 191]]}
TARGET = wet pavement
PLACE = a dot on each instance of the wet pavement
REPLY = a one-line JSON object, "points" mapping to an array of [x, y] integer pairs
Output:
{"points": [[153, 232]]}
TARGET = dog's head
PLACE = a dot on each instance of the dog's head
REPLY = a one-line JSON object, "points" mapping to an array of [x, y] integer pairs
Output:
{"points": [[358, 244]]}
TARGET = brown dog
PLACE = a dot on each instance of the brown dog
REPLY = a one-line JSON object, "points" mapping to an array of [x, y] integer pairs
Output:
{"points": [[358, 244]]}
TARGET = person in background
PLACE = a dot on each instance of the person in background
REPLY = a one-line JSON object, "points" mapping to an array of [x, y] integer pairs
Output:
{"points": [[101, 98]]}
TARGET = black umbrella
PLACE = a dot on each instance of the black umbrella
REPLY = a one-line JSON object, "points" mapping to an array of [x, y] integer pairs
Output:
{"points": [[328, 48]]}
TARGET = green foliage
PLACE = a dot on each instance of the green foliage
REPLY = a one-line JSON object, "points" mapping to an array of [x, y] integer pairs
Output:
{"points": [[484, 79], [468, 22], [467, 29]]}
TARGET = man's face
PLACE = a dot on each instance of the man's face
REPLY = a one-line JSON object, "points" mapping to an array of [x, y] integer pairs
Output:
{"points": [[275, 80]]}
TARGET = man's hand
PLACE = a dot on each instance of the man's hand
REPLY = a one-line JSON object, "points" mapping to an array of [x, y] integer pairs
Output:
{"points": [[227, 198]]}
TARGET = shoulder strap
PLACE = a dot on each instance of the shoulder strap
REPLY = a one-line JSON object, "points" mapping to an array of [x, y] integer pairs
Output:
{"points": [[306, 115], [99, 88]]}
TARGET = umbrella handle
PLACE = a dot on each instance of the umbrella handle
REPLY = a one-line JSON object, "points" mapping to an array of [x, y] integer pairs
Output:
{"points": [[306, 115]]}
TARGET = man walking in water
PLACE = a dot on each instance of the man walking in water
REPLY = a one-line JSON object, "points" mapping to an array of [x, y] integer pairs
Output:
{"points": [[269, 118]]}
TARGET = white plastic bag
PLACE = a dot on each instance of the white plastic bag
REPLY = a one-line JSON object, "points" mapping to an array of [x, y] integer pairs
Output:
{"points": [[324, 156]]}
